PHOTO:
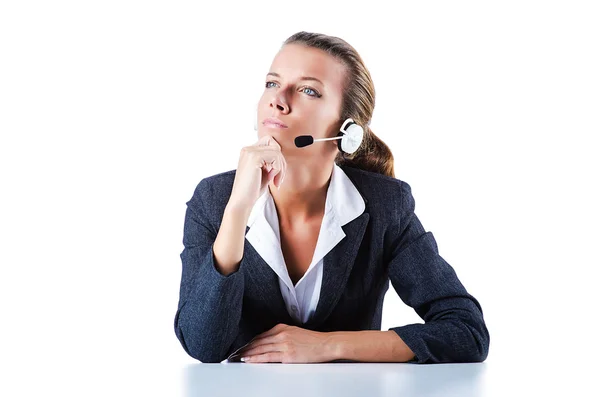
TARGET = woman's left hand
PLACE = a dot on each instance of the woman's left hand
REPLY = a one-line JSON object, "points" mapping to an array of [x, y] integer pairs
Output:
{"points": [[289, 344]]}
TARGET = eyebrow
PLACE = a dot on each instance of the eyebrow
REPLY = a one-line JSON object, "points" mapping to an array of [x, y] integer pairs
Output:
{"points": [[302, 78]]}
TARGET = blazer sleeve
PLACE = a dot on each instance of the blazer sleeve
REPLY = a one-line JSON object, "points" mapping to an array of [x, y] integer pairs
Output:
{"points": [[210, 304], [454, 328]]}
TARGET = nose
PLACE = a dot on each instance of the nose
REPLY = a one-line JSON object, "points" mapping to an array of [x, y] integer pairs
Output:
{"points": [[280, 104]]}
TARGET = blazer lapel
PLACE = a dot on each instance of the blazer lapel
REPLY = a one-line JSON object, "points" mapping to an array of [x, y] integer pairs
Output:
{"points": [[337, 266], [266, 282]]}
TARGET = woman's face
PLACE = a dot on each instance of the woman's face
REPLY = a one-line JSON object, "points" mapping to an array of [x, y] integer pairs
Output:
{"points": [[303, 89]]}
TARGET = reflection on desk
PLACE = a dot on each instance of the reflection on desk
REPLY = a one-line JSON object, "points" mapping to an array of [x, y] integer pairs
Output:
{"points": [[334, 379]]}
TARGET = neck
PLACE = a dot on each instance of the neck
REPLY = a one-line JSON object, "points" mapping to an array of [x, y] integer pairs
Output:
{"points": [[303, 193]]}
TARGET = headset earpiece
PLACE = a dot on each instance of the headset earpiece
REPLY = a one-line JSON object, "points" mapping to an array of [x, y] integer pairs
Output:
{"points": [[352, 136]]}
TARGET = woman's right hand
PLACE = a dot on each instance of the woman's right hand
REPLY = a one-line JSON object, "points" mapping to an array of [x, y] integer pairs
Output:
{"points": [[259, 164]]}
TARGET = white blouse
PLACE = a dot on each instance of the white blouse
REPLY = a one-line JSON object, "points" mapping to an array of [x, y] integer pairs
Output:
{"points": [[343, 204]]}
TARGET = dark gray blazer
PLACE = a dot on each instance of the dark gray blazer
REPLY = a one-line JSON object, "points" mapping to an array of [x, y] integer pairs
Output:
{"points": [[217, 314]]}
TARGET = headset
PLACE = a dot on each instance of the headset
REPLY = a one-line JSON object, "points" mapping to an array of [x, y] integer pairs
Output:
{"points": [[350, 137]]}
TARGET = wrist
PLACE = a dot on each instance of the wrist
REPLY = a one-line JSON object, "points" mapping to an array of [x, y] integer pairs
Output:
{"points": [[238, 212], [335, 346]]}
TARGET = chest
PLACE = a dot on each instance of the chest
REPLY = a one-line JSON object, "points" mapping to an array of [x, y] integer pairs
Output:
{"points": [[298, 248]]}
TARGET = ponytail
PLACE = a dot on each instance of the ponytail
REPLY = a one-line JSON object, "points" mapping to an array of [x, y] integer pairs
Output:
{"points": [[373, 155]]}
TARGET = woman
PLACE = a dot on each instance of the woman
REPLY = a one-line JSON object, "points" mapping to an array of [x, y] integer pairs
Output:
{"points": [[326, 231]]}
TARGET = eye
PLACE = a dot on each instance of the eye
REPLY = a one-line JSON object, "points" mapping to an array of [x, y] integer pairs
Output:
{"points": [[267, 84], [316, 94]]}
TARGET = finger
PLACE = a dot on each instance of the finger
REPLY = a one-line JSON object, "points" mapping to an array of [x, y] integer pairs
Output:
{"points": [[270, 158], [270, 166], [265, 157], [265, 340], [273, 142], [277, 169], [275, 175], [276, 357], [239, 349], [262, 349], [281, 175], [268, 340], [263, 141]]}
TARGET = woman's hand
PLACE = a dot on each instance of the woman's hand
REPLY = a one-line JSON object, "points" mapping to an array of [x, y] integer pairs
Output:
{"points": [[289, 344], [259, 164]]}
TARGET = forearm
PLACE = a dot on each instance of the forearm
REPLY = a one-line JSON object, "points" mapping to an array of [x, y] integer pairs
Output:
{"points": [[228, 248], [369, 346]]}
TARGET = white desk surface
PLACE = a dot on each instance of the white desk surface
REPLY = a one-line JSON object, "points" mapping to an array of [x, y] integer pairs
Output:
{"points": [[334, 379], [521, 378]]}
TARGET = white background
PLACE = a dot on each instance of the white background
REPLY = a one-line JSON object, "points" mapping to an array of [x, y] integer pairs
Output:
{"points": [[111, 112]]}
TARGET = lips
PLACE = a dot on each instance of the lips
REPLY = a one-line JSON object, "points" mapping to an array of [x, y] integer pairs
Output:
{"points": [[273, 122]]}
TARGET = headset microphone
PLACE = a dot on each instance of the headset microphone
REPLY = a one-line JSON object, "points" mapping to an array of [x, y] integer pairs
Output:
{"points": [[351, 135], [305, 140]]}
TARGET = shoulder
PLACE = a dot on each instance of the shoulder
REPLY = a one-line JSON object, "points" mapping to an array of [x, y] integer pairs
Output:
{"points": [[381, 191]]}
